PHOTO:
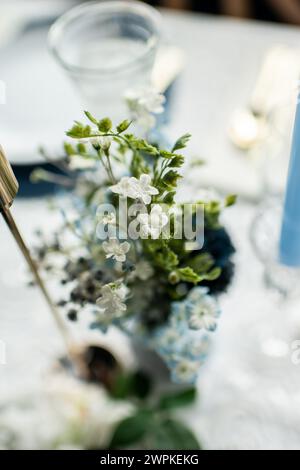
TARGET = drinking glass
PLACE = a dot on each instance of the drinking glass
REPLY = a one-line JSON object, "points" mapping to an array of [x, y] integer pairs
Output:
{"points": [[107, 48]]}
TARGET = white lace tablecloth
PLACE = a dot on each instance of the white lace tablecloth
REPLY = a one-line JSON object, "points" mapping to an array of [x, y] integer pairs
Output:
{"points": [[249, 387]]}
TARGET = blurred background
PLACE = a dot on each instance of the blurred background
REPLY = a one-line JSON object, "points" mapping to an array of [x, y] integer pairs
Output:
{"points": [[286, 11]]}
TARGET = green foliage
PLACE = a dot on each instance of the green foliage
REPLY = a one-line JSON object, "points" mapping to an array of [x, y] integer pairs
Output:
{"points": [[161, 254], [136, 384], [169, 197], [183, 398], [123, 126], [171, 178], [69, 149], [132, 429], [177, 161], [212, 212], [188, 274], [105, 125], [201, 263], [152, 425], [172, 434], [79, 131], [230, 200], [181, 143], [91, 118], [212, 275]]}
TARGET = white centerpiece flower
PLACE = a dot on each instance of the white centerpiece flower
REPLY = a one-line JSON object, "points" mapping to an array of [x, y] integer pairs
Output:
{"points": [[143, 103], [135, 188], [152, 224], [108, 219], [103, 141], [143, 271], [112, 300], [185, 371], [204, 314], [116, 250]]}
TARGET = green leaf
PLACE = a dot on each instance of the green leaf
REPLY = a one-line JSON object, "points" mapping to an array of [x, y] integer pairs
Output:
{"points": [[141, 385], [173, 435], [69, 149], [91, 118], [143, 146], [105, 125], [187, 274], [166, 154], [171, 177], [136, 384], [166, 259], [177, 161], [123, 126], [132, 429], [202, 263], [181, 142], [81, 148], [121, 388], [212, 275], [230, 200], [169, 197], [183, 398], [79, 131]]}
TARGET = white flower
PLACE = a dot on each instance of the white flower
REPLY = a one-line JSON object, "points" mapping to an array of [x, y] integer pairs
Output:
{"points": [[152, 100], [135, 189], [143, 270], [185, 371], [80, 163], [144, 190], [112, 300], [203, 314], [125, 187], [116, 250], [108, 219], [152, 224], [146, 120], [143, 103], [146, 99], [103, 141]]}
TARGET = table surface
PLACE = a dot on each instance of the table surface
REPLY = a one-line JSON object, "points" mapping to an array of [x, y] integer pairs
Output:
{"points": [[249, 386]]}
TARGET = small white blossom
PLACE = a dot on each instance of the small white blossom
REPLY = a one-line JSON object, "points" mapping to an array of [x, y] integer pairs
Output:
{"points": [[80, 163], [103, 141], [125, 187], [204, 314], [143, 103], [144, 190], [185, 371], [146, 99], [116, 250], [112, 300], [152, 224], [135, 189], [143, 271], [109, 219]]}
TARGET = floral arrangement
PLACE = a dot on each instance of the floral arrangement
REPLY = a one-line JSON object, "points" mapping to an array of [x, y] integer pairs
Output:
{"points": [[121, 259]]}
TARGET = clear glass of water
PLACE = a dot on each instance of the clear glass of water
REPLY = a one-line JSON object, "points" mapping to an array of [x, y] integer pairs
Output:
{"points": [[107, 48]]}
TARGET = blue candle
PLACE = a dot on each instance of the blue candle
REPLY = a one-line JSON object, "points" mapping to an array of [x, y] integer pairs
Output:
{"points": [[289, 248]]}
